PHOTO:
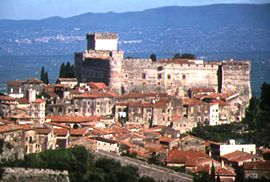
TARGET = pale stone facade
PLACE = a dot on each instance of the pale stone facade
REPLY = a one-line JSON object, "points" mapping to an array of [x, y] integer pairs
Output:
{"points": [[174, 76]]}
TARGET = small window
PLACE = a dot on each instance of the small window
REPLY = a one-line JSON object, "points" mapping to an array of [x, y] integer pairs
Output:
{"points": [[160, 68], [126, 75], [144, 76], [159, 76], [168, 77], [183, 77]]}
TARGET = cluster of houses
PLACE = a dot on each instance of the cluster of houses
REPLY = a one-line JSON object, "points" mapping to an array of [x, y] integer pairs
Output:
{"points": [[37, 117]]}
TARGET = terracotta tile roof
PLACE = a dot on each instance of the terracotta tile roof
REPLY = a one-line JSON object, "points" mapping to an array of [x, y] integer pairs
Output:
{"points": [[73, 119], [97, 85], [106, 140], [21, 116], [43, 131], [228, 96], [27, 127], [23, 100], [67, 79], [238, 156], [33, 81], [78, 132], [141, 153], [93, 95], [257, 165], [61, 131], [219, 102], [10, 128], [38, 101], [166, 139], [192, 102], [142, 95], [6, 98], [58, 125], [15, 83], [180, 157], [202, 89]]}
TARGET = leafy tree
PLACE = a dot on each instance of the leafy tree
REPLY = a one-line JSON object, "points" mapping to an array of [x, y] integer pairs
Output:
{"points": [[184, 56], [188, 56], [153, 57], [202, 177], [177, 56]]}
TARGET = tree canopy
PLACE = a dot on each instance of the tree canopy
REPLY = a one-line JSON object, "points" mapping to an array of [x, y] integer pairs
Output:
{"points": [[184, 56], [80, 165], [44, 75], [66, 70]]}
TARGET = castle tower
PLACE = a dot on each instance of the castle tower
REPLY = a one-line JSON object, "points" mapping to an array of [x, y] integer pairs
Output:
{"points": [[102, 41], [101, 61]]}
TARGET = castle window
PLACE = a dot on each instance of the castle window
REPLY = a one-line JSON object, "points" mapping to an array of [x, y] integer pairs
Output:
{"points": [[183, 77], [144, 76], [168, 77], [160, 68], [159, 76], [126, 75], [158, 83]]}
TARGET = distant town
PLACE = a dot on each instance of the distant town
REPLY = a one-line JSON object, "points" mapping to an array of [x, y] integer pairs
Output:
{"points": [[136, 111]]}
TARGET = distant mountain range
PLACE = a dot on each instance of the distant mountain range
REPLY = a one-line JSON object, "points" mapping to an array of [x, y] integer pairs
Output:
{"points": [[165, 30]]}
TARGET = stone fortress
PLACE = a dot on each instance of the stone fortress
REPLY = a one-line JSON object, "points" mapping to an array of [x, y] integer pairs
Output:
{"points": [[103, 62]]}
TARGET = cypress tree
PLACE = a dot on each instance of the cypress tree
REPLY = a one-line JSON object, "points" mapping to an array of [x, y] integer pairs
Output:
{"points": [[46, 78], [42, 74], [62, 72]]}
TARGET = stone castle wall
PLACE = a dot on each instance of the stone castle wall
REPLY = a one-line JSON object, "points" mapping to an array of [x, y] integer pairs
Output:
{"points": [[33, 175], [174, 76]]}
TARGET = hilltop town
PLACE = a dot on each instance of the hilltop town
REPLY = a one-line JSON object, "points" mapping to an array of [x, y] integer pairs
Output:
{"points": [[140, 108]]}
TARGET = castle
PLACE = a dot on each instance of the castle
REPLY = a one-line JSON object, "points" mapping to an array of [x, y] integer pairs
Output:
{"points": [[103, 62]]}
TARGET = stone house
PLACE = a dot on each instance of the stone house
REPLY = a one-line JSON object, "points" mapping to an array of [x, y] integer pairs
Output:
{"points": [[221, 149], [12, 134], [70, 82], [94, 104], [196, 111], [237, 158], [46, 139], [15, 88], [106, 144], [190, 142], [257, 170]]}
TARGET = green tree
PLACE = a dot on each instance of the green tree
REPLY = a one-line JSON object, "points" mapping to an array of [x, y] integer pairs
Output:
{"points": [[42, 73], [62, 71], [177, 56], [46, 78], [265, 97], [153, 57]]}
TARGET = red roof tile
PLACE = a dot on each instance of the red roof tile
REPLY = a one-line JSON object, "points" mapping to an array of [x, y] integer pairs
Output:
{"points": [[192, 102], [257, 165], [10, 128], [61, 131], [6, 98], [97, 85], [78, 132], [73, 119]]}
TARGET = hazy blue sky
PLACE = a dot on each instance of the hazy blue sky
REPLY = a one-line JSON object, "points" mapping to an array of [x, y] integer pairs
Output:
{"points": [[37, 9]]}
